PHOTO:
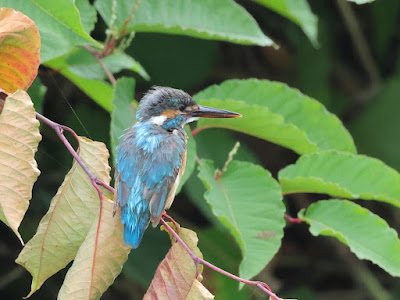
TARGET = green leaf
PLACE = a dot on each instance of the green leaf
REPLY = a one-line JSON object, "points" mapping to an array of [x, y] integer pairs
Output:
{"points": [[277, 113], [99, 90], [83, 64], [341, 174], [58, 22], [70, 216], [87, 13], [37, 91], [248, 201], [299, 12], [209, 19], [367, 235], [190, 159], [122, 115], [375, 130]]}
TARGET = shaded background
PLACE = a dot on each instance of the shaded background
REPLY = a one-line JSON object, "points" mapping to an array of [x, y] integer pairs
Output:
{"points": [[364, 93]]}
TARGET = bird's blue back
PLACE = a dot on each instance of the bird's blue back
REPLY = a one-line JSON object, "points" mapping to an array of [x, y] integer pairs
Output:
{"points": [[148, 161]]}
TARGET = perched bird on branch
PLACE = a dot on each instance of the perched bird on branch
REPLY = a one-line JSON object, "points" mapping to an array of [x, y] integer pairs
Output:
{"points": [[151, 157]]}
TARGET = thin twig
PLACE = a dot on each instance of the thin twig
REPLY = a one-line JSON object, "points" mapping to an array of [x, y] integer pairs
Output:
{"points": [[197, 260], [98, 57], [59, 129], [293, 220], [129, 18], [360, 43]]}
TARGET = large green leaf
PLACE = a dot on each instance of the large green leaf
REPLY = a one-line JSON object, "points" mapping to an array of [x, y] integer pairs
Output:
{"points": [[122, 115], [58, 22], [83, 64], [99, 90], [375, 129], [277, 113], [87, 13], [342, 174], [367, 235], [209, 19], [72, 211], [299, 12], [248, 201]]}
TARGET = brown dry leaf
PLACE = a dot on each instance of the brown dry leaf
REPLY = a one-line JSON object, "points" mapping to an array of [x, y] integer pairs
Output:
{"points": [[99, 259], [175, 276], [19, 139], [72, 211], [19, 50]]}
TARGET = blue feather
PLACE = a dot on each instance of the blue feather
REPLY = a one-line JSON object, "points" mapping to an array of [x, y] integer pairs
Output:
{"points": [[148, 160]]}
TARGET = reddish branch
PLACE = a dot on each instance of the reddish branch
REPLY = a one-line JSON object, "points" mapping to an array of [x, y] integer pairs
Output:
{"points": [[293, 220], [59, 129]]}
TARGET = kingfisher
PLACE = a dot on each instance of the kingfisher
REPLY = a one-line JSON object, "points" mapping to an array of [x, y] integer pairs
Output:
{"points": [[151, 157]]}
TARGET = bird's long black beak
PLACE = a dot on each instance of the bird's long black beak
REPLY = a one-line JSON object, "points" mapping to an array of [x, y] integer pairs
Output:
{"points": [[211, 112]]}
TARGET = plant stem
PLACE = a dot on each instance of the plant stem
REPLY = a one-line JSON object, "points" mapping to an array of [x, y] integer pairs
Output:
{"points": [[197, 260], [98, 57], [59, 129], [293, 220], [360, 43]]}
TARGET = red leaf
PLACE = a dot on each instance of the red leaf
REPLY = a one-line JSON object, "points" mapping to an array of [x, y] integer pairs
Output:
{"points": [[19, 50]]}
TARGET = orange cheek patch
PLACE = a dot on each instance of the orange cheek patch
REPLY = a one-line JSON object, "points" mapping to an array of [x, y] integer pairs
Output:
{"points": [[170, 114]]}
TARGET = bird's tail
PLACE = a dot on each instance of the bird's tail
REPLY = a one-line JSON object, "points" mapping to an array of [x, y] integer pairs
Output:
{"points": [[134, 229]]}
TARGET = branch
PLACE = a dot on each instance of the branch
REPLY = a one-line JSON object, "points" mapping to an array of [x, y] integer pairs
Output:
{"points": [[98, 57], [261, 285], [293, 220], [59, 129], [359, 42]]}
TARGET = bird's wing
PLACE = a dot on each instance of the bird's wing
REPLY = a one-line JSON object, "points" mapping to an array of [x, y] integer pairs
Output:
{"points": [[148, 164]]}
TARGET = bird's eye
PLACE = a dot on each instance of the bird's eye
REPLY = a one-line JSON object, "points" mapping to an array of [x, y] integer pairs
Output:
{"points": [[181, 107]]}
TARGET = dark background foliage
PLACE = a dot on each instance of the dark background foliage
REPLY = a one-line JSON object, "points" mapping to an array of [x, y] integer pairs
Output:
{"points": [[367, 101]]}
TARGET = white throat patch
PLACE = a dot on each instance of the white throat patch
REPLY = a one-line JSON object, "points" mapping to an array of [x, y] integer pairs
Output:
{"points": [[159, 120], [192, 119]]}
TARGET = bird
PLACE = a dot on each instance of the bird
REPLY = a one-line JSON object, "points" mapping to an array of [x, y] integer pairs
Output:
{"points": [[151, 157]]}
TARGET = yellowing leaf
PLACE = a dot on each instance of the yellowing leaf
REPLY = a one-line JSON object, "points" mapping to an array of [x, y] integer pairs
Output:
{"points": [[19, 139], [99, 259], [175, 276], [72, 211], [19, 50]]}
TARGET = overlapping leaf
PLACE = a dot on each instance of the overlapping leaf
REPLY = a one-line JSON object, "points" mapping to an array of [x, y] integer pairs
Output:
{"points": [[72, 211], [248, 201], [58, 22], [361, 1], [87, 13], [341, 174], [19, 139], [367, 235], [277, 113], [83, 64], [122, 115], [175, 276], [99, 90], [19, 50], [99, 259], [299, 12], [218, 20]]}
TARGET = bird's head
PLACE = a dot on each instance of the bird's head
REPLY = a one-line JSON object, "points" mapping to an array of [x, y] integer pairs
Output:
{"points": [[173, 108]]}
